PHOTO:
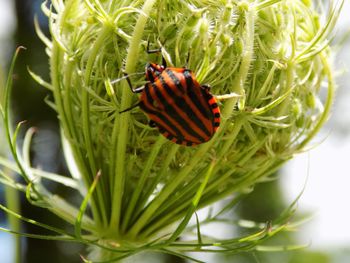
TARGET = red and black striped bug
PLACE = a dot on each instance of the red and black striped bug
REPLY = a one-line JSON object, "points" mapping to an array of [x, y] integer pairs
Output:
{"points": [[184, 111]]}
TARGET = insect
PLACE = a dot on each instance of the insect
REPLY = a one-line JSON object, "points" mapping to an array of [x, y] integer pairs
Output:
{"points": [[184, 111]]}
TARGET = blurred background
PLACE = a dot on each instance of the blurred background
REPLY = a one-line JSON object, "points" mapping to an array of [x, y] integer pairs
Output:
{"points": [[324, 171]]}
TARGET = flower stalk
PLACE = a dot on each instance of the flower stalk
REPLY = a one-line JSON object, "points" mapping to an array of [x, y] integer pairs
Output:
{"points": [[130, 66]]}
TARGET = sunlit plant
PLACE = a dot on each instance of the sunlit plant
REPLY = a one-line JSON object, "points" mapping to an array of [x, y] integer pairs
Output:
{"points": [[138, 190]]}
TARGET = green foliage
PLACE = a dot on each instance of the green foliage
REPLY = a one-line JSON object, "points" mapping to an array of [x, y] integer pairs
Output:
{"points": [[305, 257], [141, 189]]}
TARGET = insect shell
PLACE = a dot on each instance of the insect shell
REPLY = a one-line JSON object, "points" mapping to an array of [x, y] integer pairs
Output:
{"points": [[184, 111]]}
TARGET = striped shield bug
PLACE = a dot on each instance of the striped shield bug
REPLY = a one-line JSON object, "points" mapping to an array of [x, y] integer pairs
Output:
{"points": [[184, 111]]}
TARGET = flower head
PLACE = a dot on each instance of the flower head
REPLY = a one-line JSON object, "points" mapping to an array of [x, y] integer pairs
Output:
{"points": [[140, 187]]}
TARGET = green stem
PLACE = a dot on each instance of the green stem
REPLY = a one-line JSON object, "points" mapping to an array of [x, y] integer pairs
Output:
{"points": [[328, 104], [168, 190], [193, 206], [238, 83], [56, 57], [71, 132], [271, 166], [85, 108], [247, 58], [55, 78], [13, 203], [162, 172], [67, 103], [165, 216], [231, 137], [85, 98], [121, 126], [248, 51], [5, 113], [283, 108], [265, 4], [141, 182]]}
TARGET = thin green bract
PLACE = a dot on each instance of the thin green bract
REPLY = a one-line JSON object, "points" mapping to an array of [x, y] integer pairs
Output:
{"points": [[142, 190]]}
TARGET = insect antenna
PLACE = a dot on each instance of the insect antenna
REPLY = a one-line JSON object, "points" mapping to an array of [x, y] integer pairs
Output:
{"points": [[126, 76]]}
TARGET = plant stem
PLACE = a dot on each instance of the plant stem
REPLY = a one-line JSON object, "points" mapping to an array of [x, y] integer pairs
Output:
{"points": [[328, 104], [13, 203], [168, 190], [141, 182], [85, 108], [121, 126]]}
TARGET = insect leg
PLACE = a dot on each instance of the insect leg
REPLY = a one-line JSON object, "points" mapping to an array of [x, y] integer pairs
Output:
{"points": [[158, 50], [134, 90], [206, 87], [130, 108], [152, 124], [151, 51]]}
